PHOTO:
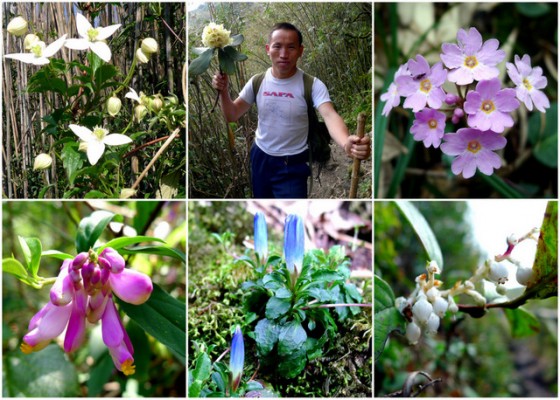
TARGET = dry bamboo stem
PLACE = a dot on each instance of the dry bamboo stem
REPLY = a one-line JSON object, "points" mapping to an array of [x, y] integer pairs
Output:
{"points": [[356, 166]]}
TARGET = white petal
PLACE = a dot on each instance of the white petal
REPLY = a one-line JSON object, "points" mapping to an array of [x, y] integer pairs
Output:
{"points": [[116, 139], [52, 48], [82, 132], [83, 26], [132, 95], [77, 44], [28, 58], [104, 33], [40, 61], [95, 150], [102, 50]]}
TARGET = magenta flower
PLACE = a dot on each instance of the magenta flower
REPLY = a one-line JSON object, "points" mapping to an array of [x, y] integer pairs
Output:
{"points": [[489, 106], [471, 59], [428, 127], [84, 290], [423, 86], [474, 149], [528, 81], [392, 98]]}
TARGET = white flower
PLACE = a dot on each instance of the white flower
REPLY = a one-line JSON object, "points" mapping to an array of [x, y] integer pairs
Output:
{"points": [[39, 52], [17, 26], [524, 275], [214, 35], [452, 305], [432, 324], [498, 273], [30, 41], [413, 333], [42, 161], [97, 140], [141, 57], [440, 306], [422, 311], [149, 46], [113, 105], [134, 96], [92, 38]]}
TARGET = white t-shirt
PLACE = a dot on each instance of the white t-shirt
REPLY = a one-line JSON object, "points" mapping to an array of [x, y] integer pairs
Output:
{"points": [[283, 122]]}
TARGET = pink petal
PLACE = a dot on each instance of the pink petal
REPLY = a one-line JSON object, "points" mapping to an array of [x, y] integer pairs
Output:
{"points": [[131, 286], [111, 327]]}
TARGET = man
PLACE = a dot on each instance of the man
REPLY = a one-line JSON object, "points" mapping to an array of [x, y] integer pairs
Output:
{"points": [[279, 155]]}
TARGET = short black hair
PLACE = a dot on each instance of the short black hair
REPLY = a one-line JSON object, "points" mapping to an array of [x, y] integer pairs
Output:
{"points": [[287, 27]]}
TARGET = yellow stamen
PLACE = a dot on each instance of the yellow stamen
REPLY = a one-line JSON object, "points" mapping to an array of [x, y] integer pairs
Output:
{"points": [[432, 124], [92, 34], [474, 146], [425, 86], [471, 61], [127, 367], [25, 348], [527, 84], [487, 106]]}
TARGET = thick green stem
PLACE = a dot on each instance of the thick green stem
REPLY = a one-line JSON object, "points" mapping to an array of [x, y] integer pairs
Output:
{"points": [[127, 79]]}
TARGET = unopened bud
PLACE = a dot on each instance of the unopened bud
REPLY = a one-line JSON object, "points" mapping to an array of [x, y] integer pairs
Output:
{"points": [[141, 57], [113, 105], [17, 26], [498, 273], [432, 324], [139, 112], [149, 46], [413, 333], [422, 310], [30, 41], [157, 104], [440, 306], [524, 275], [42, 161]]}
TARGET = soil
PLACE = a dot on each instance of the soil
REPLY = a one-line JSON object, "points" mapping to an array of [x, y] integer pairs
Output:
{"points": [[335, 177]]}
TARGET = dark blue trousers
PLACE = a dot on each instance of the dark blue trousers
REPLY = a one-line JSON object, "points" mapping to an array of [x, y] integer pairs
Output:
{"points": [[283, 177]]}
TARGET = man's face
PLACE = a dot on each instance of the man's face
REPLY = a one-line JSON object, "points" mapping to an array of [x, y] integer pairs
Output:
{"points": [[284, 50]]}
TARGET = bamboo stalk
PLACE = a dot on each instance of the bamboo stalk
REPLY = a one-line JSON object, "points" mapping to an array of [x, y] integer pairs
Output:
{"points": [[356, 165]]}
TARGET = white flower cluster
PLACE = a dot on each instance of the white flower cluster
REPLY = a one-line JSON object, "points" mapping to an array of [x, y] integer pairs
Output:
{"points": [[428, 304], [215, 35]]}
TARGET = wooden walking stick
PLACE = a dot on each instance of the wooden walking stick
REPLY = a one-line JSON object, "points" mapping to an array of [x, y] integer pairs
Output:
{"points": [[360, 131]]}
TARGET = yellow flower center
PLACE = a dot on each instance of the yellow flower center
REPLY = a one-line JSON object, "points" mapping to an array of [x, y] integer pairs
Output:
{"points": [[425, 86], [25, 348], [432, 124], [474, 146], [487, 106], [100, 133], [37, 50], [471, 61], [92, 34], [127, 367], [527, 84]]}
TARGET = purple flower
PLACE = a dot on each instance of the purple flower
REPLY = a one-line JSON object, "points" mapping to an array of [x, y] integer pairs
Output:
{"points": [[294, 243], [428, 127], [116, 339], [237, 358], [392, 97], [423, 86], [131, 286], [488, 107], [474, 149], [261, 238], [528, 81], [471, 59]]}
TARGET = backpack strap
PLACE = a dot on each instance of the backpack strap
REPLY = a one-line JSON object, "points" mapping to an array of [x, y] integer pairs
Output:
{"points": [[256, 83], [312, 117]]}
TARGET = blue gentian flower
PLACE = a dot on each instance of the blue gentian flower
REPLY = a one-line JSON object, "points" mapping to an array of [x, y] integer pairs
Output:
{"points": [[294, 243], [261, 239], [237, 358]]}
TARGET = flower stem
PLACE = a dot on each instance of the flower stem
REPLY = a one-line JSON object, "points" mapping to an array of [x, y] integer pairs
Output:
{"points": [[128, 77]]}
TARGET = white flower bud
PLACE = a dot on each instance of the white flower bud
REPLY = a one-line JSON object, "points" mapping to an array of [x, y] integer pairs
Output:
{"points": [[512, 240], [113, 105], [157, 104], [139, 112], [149, 46], [400, 304], [477, 297], [440, 306], [127, 193], [469, 285], [413, 333], [500, 289], [422, 310], [30, 41], [452, 305], [17, 26], [141, 57], [524, 275], [432, 294], [433, 268], [432, 325], [42, 161], [498, 273]]}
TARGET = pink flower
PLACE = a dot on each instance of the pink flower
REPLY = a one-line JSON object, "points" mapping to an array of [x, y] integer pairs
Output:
{"points": [[471, 59], [428, 127], [117, 340], [474, 149], [528, 81], [488, 107], [423, 86], [392, 97]]}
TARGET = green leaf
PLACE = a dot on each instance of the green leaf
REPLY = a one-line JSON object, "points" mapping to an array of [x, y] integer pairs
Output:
{"points": [[95, 194], [99, 374], [234, 55], [522, 322], [14, 267], [121, 242], [59, 255], [291, 349], [266, 336], [236, 40], [71, 160], [104, 73], [276, 307], [200, 65], [533, 10], [144, 212], [201, 373], [47, 373], [546, 151], [227, 64], [90, 228], [387, 317], [199, 50], [157, 250], [35, 248], [163, 317], [423, 231]]}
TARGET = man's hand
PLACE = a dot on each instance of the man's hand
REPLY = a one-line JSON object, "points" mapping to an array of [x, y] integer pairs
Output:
{"points": [[357, 147], [220, 81]]}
